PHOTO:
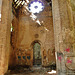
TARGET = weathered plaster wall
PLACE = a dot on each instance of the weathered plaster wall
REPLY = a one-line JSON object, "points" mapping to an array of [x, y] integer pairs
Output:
{"points": [[29, 31], [73, 4], [5, 35], [13, 41], [63, 32], [66, 25], [73, 11]]}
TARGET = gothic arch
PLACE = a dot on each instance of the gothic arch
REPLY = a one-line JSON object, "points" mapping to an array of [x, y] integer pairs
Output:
{"points": [[32, 48], [35, 41]]}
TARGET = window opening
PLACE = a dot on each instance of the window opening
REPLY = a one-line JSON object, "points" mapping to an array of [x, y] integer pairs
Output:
{"points": [[11, 28], [37, 54], [0, 8]]}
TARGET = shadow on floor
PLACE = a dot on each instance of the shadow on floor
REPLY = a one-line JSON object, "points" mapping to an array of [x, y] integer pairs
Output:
{"points": [[26, 70]]}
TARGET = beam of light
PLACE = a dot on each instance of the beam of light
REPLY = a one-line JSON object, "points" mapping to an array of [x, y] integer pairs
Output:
{"points": [[11, 28], [38, 22], [27, 1], [42, 21], [19, 3], [15, 0], [27, 8], [0, 8], [52, 72], [23, 2], [46, 29], [0, 15], [34, 17], [26, 12]]}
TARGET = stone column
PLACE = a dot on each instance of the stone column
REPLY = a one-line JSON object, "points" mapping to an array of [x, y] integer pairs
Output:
{"points": [[74, 35], [5, 26], [58, 37]]}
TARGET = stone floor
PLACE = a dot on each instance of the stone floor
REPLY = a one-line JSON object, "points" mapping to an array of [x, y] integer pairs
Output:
{"points": [[30, 71]]}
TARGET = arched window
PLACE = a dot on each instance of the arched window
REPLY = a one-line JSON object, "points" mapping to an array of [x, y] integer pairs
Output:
{"points": [[0, 8], [37, 54]]}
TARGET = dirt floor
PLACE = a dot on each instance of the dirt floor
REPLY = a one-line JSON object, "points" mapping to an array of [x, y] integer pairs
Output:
{"points": [[30, 71]]}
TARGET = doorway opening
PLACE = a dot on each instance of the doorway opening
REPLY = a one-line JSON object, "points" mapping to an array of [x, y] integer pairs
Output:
{"points": [[37, 59]]}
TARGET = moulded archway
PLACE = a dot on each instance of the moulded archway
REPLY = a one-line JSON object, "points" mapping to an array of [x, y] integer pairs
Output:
{"points": [[37, 52]]}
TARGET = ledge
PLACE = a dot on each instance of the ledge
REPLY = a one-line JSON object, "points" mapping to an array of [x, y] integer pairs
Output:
{"points": [[70, 66], [69, 54]]}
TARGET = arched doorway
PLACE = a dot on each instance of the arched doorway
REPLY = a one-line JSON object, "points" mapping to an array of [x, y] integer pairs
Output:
{"points": [[37, 59]]}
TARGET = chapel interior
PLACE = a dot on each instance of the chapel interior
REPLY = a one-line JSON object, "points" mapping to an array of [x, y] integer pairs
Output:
{"points": [[37, 37]]}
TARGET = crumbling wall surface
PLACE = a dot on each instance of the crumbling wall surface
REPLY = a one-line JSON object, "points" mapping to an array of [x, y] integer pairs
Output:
{"points": [[73, 11], [67, 25], [74, 28], [28, 32], [14, 33], [5, 35], [63, 32], [67, 28]]}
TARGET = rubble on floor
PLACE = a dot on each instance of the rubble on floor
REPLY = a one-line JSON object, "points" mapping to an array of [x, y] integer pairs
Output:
{"points": [[35, 70]]}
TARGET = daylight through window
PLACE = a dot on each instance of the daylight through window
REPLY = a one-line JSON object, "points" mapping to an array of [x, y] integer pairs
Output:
{"points": [[0, 8]]}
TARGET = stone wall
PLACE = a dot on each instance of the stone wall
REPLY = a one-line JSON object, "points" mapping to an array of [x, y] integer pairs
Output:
{"points": [[5, 24], [63, 32], [26, 32], [73, 11]]}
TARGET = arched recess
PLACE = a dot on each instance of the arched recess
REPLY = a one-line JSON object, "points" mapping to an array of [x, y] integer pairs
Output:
{"points": [[36, 47]]}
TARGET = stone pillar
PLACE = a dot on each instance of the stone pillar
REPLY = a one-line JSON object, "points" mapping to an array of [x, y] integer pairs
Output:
{"points": [[58, 37], [5, 26], [74, 34], [63, 30], [73, 11]]}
